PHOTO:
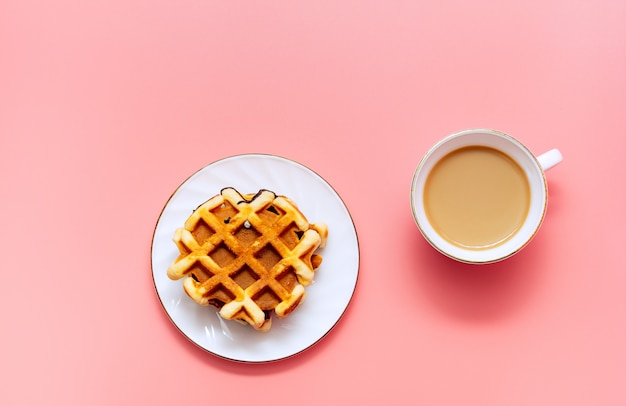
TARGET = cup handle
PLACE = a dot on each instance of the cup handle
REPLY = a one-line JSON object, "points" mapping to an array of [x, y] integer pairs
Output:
{"points": [[549, 159]]}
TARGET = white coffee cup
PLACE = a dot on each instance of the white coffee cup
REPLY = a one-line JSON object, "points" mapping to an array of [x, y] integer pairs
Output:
{"points": [[533, 167]]}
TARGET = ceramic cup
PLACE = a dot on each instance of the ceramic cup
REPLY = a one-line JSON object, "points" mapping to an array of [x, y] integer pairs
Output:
{"points": [[532, 166]]}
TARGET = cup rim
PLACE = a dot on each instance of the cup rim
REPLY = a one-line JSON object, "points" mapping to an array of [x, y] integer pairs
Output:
{"points": [[485, 258]]}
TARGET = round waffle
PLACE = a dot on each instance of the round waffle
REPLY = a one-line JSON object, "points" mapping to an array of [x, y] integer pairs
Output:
{"points": [[248, 255]]}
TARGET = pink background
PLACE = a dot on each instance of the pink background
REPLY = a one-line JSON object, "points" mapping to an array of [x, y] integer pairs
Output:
{"points": [[107, 106]]}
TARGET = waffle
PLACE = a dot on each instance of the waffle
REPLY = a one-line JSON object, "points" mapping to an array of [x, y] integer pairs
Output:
{"points": [[250, 256]]}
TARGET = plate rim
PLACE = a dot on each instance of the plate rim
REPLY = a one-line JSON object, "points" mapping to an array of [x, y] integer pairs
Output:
{"points": [[262, 156]]}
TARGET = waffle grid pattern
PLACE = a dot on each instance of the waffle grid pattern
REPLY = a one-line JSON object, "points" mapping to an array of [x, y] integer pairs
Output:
{"points": [[248, 255]]}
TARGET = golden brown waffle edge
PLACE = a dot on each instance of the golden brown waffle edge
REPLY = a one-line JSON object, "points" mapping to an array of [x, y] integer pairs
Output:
{"points": [[250, 256]]}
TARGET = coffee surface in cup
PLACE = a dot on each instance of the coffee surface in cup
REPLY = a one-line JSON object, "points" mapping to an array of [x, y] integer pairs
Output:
{"points": [[476, 197]]}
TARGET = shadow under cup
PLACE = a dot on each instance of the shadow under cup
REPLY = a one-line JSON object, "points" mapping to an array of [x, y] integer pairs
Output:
{"points": [[511, 148]]}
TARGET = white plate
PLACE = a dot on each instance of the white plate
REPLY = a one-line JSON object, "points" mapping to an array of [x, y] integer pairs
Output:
{"points": [[327, 298]]}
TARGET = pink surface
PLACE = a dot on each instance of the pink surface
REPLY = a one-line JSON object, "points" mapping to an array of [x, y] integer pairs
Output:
{"points": [[105, 107]]}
